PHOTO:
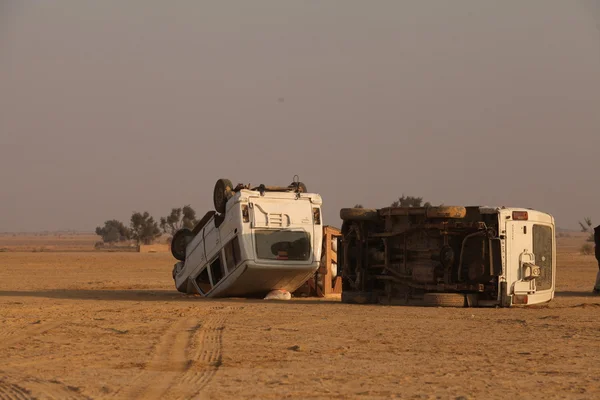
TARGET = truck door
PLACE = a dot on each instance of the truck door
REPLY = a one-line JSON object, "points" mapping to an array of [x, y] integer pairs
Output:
{"points": [[530, 261]]}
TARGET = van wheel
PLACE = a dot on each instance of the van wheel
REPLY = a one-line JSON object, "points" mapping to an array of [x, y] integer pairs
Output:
{"points": [[444, 300], [223, 192], [359, 214], [180, 240]]}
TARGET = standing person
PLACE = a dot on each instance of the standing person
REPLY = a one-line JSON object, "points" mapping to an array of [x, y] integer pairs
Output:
{"points": [[597, 243]]}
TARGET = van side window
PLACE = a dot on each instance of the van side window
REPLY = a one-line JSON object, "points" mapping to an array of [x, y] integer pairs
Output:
{"points": [[542, 248], [232, 253], [216, 270], [203, 282]]}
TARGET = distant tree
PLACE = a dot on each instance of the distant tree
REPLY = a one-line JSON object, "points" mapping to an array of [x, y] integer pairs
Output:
{"points": [[358, 206], [184, 217], [144, 229], [189, 217], [587, 226], [113, 231], [410, 201]]}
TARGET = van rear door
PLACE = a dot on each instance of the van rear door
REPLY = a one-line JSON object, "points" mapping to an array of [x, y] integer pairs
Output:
{"points": [[529, 261], [282, 229]]}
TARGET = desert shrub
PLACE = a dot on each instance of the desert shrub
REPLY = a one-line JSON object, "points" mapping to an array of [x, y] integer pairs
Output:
{"points": [[586, 249], [113, 231], [410, 201]]}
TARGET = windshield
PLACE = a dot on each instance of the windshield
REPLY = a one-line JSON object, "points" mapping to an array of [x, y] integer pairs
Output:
{"points": [[282, 245]]}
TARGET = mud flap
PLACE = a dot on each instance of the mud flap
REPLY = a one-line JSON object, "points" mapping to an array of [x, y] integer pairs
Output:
{"points": [[472, 299], [505, 298]]}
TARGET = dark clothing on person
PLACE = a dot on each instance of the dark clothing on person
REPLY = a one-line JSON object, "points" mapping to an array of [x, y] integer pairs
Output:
{"points": [[597, 242]]}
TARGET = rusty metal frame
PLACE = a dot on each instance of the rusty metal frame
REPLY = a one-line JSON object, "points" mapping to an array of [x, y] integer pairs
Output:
{"points": [[330, 285]]}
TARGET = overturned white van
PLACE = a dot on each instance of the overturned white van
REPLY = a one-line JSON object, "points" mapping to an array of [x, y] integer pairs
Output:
{"points": [[448, 256], [258, 239]]}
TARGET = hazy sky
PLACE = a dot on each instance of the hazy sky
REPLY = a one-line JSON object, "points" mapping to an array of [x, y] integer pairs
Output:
{"points": [[109, 107]]}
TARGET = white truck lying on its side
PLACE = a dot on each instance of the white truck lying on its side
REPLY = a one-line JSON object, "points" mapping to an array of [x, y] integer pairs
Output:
{"points": [[447, 256]]}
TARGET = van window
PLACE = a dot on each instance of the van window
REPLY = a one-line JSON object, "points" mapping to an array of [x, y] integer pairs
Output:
{"points": [[216, 270], [203, 282], [232, 254], [542, 248], [282, 245]]}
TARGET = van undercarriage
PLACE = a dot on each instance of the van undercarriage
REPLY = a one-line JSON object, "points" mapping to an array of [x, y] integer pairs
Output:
{"points": [[416, 255]]}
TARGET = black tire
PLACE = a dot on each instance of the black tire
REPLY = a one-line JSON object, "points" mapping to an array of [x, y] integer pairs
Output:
{"points": [[223, 192], [179, 243], [359, 214], [444, 300]]}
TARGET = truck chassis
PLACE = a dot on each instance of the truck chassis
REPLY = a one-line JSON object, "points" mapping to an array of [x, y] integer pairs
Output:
{"points": [[438, 256]]}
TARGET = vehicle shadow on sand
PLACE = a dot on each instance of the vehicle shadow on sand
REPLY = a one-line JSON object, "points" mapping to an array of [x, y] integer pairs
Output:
{"points": [[147, 295], [138, 295]]}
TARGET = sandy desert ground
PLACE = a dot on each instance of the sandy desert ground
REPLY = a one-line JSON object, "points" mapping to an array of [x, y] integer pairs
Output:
{"points": [[81, 324]]}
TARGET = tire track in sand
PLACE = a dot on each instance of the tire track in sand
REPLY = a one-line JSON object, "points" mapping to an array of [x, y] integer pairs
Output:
{"points": [[205, 358], [18, 335], [168, 362], [185, 360], [10, 391], [31, 388]]}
